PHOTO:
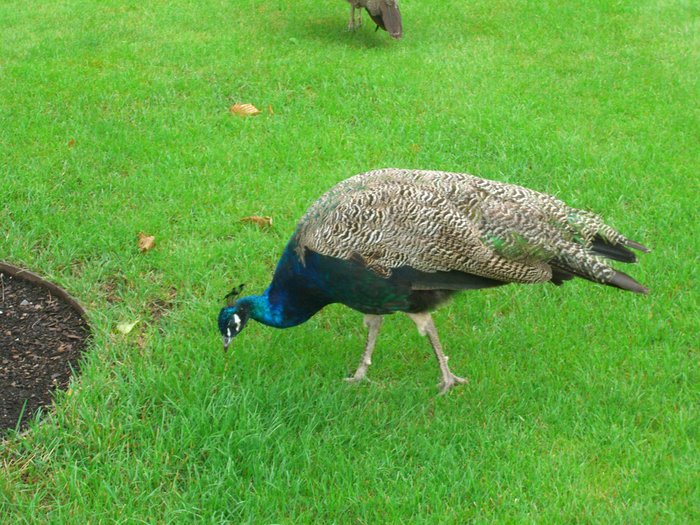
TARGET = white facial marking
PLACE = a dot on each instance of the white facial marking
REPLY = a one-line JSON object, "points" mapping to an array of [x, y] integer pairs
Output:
{"points": [[228, 332], [237, 320]]}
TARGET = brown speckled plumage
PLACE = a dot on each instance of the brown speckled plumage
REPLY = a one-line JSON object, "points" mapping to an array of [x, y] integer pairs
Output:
{"points": [[435, 221]]}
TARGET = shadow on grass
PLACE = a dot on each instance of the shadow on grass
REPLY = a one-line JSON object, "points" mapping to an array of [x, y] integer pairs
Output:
{"points": [[331, 30]]}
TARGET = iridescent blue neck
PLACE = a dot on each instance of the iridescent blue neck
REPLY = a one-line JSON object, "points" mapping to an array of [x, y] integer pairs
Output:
{"points": [[263, 311], [277, 309], [293, 296]]}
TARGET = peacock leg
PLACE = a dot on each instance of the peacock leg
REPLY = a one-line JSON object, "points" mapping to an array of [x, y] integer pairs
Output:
{"points": [[351, 25], [372, 322], [426, 326]]}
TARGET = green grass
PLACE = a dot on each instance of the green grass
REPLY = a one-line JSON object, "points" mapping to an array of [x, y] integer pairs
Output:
{"points": [[583, 401]]}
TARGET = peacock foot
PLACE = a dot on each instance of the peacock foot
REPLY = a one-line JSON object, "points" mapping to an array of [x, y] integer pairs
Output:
{"points": [[449, 382], [353, 379]]}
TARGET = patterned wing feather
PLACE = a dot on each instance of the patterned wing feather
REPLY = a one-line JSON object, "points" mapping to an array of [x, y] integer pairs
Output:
{"points": [[436, 222]]}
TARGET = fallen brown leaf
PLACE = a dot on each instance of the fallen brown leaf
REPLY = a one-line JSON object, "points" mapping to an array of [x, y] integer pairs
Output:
{"points": [[263, 222], [244, 109], [146, 242]]}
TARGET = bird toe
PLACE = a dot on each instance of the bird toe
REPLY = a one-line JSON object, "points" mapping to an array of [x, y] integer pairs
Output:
{"points": [[353, 379], [445, 385]]}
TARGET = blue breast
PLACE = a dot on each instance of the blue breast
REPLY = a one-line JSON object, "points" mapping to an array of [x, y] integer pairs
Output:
{"points": [[304, 288]]}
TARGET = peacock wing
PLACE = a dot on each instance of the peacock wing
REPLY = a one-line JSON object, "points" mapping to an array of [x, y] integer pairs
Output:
{"points": [[396, 223]]}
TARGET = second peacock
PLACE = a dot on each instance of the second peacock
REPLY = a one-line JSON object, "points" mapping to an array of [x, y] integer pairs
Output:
{"points": [[395, 240], [384, 13]]}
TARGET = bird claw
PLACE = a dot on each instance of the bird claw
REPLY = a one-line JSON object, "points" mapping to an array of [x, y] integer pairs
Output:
{"points": [[448, 383], [356, 379]]}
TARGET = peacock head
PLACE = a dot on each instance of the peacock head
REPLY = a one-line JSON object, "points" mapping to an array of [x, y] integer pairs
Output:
{"points": [[233, 316]]}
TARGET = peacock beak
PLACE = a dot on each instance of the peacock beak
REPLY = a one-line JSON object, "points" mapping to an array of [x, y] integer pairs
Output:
{"points": [[227, 341]]}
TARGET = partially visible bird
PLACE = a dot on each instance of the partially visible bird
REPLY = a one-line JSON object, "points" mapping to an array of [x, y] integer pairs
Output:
{"points": [[395, 240], [385, 14]]}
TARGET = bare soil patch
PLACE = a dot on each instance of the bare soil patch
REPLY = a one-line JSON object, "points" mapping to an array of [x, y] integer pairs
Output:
{"points": [[42, 336]]}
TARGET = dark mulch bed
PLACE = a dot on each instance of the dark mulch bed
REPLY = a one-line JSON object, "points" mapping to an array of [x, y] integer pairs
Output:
{"points": [[41, 339]]}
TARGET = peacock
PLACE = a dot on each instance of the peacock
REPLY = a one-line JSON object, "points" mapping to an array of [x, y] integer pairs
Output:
{"points": [[385, 14], [397, 240]]}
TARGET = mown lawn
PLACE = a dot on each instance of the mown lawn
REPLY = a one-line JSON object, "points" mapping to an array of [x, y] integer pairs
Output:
{"points": [[583, 401]]}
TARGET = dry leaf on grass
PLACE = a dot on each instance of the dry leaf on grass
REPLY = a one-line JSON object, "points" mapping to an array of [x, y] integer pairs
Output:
{"points": [[146, 242], [244, 109], [126, 326], [263, 222]]}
